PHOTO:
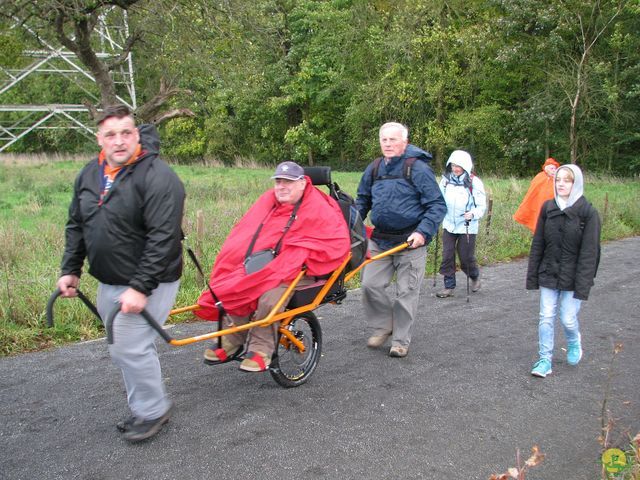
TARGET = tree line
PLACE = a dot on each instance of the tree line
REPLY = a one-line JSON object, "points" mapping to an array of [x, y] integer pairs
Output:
{"points": [[510, 81]]}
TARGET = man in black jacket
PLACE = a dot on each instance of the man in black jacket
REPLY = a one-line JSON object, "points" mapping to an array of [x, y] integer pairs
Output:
{"points": [[125, 218]]}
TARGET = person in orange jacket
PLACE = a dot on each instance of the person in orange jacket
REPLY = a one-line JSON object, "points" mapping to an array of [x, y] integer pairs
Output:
{"points": [[540, 190]]}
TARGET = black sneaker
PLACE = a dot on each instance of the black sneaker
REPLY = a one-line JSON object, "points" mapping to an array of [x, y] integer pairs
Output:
{"points": [[125, 424], [140, 430]]}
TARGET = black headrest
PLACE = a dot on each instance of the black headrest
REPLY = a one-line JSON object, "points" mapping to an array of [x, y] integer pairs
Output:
{"points": [[319, 175]]}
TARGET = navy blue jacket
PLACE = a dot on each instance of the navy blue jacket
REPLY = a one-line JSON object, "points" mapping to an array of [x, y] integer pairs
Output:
{"points": [[397, 205]]}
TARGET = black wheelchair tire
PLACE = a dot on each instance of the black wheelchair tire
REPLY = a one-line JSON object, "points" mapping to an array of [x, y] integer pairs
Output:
{"points": [[289, 367]]}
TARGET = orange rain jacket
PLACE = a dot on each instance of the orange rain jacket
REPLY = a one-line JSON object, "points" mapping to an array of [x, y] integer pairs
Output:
{"points": [[540, 190]]}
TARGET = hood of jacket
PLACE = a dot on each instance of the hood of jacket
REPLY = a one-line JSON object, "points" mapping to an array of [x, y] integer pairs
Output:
{"points": [[149, 138], [578, 186], [549, 161], [462, 159], [413, 151]]}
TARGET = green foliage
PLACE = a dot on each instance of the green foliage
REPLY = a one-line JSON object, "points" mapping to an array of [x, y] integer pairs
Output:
{"points": [[312, 80], [11, 47], [184, 139]]}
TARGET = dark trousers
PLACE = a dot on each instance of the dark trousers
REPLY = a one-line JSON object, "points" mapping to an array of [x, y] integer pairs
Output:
{"points": [[465, 245]]}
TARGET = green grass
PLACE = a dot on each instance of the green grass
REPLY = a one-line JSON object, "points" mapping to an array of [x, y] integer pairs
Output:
{"points": [[33, 210]]}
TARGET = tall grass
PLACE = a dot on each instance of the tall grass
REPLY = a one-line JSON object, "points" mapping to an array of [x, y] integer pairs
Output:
{"points": [[33, 210]]}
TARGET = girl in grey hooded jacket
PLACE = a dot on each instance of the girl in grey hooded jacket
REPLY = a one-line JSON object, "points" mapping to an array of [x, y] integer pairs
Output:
{"points": [[563, 261]]}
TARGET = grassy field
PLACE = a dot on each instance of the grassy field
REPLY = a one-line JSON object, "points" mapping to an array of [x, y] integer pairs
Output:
{"points": [[33, 207]]}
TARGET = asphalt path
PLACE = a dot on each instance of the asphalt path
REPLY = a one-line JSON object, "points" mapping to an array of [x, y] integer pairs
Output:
{"points": [[459, 406]]}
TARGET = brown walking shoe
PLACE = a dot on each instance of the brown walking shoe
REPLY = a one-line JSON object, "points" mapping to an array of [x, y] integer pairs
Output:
{"points": [[398, 351], [447, 292], [376, 341]]}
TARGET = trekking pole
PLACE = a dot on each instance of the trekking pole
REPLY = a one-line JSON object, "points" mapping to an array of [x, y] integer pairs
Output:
{"points": [[466, 226], [435, 258]]}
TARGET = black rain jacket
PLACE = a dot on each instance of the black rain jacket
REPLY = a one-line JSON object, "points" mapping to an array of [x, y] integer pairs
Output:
{"points": [[565, 250], [134, 238]]}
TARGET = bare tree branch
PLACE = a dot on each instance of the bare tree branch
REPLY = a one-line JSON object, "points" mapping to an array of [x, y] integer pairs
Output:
{"points": [[126, 50], [151, 109], [169, 114]]}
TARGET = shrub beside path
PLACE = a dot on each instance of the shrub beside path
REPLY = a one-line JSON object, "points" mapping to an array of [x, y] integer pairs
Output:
{"points": [[457, 407]]}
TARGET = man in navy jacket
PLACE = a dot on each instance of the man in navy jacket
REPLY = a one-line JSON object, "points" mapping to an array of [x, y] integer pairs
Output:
{"points": [[400, 192]]}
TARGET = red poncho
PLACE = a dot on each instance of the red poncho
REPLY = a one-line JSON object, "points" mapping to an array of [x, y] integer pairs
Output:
{"points": [[540, 190], [318, 238]]}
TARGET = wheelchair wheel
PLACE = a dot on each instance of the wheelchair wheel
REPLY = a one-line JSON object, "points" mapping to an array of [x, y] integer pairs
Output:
{"points": [[291, 367]]}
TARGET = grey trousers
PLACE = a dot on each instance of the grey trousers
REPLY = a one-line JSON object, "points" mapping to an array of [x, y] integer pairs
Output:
{"points": [[393, 314], [134, 349]]}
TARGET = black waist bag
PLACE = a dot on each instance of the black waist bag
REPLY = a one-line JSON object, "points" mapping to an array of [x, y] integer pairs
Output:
{"points": [[397, 237], [254, 262], [258, 260]]}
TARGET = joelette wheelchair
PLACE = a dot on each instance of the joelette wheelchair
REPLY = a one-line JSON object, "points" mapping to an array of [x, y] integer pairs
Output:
{"points": [[299, 342]]}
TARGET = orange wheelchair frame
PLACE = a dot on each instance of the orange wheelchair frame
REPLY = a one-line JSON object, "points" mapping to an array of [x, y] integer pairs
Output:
{"points": [[299, 340], [300, 334]]}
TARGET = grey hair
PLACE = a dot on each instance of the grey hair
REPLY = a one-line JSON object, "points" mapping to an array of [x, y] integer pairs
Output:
{"points": [[403, 130]]}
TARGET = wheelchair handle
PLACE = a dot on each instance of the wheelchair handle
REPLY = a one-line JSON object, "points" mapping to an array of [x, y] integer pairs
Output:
{"points": [[54, 296], [146, 315]]}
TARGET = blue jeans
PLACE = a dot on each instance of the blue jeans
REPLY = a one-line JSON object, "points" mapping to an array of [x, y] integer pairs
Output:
{"points": [[567, 307]]}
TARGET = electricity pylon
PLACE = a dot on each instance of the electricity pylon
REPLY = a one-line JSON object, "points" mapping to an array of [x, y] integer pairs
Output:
{"points": [[18, 119]]}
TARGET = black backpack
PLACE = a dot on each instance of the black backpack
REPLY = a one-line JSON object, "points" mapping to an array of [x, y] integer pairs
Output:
{"points": [[357, 230], [407, 165]]}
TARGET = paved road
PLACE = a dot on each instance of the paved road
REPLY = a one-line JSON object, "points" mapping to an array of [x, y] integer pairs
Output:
{"points": [[457, 407]]}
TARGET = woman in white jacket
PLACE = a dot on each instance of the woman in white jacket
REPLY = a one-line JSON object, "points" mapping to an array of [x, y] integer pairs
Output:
{"points": [[466, 204]]}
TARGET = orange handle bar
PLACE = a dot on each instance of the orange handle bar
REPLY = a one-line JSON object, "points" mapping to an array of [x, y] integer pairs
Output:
{"points": [[386, 253]]}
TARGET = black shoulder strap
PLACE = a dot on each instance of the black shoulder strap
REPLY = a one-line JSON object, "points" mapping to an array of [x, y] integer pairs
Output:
{"points": [[278, 246], [376, 167], [470, 188], [585, 212], [407, 167]]}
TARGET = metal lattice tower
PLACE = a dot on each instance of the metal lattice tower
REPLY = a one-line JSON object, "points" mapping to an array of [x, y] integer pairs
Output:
{"points": [[18, 119]]}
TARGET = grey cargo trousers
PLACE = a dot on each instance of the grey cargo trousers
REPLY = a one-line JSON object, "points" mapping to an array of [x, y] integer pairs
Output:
{"points": [[393, 314]]}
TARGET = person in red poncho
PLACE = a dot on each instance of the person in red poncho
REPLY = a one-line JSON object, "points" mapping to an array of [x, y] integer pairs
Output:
{"points": [[317, 237], [540, 190]]}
